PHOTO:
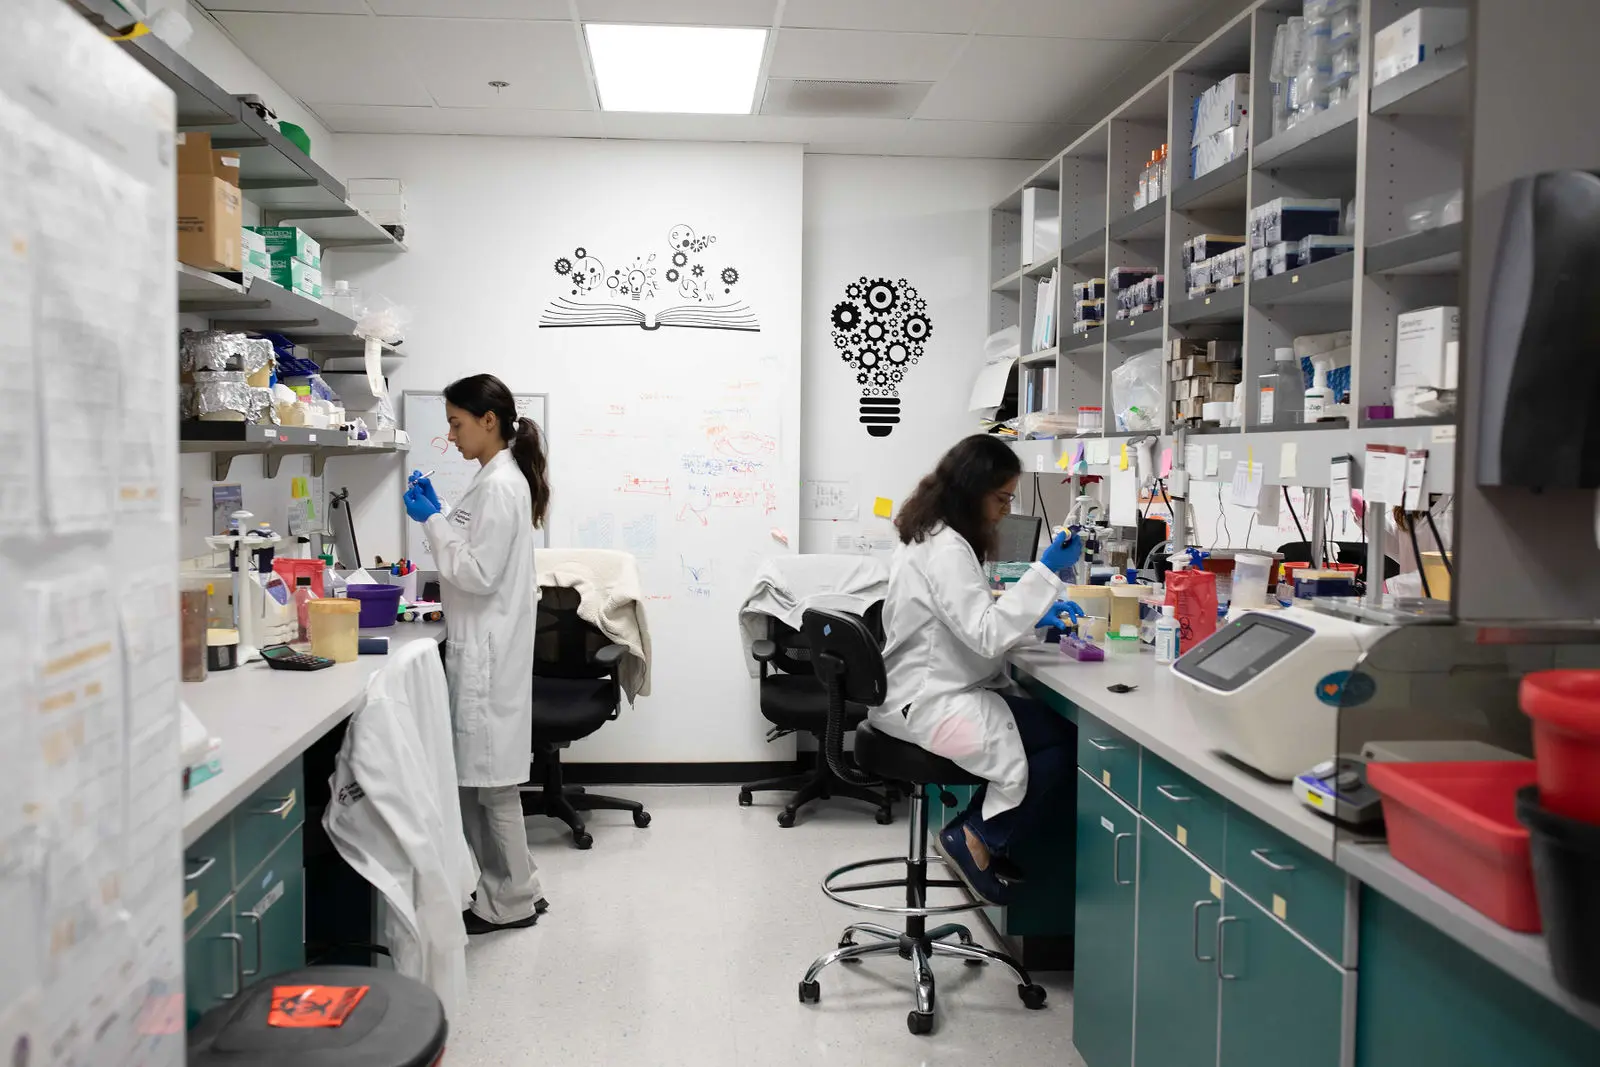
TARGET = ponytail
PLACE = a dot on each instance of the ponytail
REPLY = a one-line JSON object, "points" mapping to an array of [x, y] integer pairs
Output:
{"points": [[528, 450]]}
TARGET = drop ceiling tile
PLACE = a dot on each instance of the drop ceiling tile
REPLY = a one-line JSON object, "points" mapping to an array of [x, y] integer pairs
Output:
{"points": [[984, 140], [329, 59], [1110, 20], [506, 122], [303, 7], [457, 58], [689, 12], [1026, 79], [474, 9], [863, 55], [768, 128], [926, 16]]}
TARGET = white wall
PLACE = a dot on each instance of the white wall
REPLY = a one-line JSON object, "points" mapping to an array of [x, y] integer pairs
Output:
{"points": [[924, 220]]}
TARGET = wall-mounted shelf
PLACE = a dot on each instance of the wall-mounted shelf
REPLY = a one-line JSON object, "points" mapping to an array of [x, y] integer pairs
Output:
{"points": [[1146, 224], [1082, 342], [1223, 188], [1042, 268], [1325, 140], [1435, 251], [1011, 283], [1330, 282], [1224, 306], [228, 440], [1141, 327], [1044, 355], [1086, 250], [1436, 87]]}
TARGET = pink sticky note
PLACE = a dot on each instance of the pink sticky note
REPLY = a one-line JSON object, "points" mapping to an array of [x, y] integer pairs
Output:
{"points": [[1166, 462]]}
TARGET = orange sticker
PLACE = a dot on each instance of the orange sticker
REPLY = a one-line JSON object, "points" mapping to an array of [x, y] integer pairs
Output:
{"points": [[305, 1006]]}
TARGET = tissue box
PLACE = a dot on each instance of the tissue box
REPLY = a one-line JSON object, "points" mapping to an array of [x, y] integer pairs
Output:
{"points": [[1221, 107], [1421, 340], [298, 276], [288, 242], [1222, 147], [1414, 38], [257, 261]]}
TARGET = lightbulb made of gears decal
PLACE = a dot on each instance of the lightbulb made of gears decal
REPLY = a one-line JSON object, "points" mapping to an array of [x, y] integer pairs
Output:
{"points": [[881, 329]]}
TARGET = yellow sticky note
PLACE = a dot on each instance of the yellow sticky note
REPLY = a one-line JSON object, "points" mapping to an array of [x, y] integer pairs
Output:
{"points": [[298, 489], [1280, 907], [1105, 778], [191, 903], [1063, 461], [883, 507], [1122, 464], [1216, 887], [1183, 836]]}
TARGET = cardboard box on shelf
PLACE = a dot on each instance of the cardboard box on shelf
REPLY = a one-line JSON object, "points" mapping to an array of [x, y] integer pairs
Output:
{"points": [[210, 210], [1421, 340], [288, 242], [1414, 38], [1223, 351]]}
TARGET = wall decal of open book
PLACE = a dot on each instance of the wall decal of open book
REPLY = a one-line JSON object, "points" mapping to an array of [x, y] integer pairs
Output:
{"points": [[683, 290]]}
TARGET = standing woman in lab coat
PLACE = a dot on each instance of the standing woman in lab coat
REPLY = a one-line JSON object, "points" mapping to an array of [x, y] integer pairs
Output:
{"points": [[946, 640], [483, 548]]}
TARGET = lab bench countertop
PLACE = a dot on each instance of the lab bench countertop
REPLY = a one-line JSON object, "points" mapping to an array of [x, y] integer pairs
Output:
{"points": [[266, 718], [1157, 715]]}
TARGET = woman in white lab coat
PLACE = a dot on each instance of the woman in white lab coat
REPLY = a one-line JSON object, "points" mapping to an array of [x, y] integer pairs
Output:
{"points": [[483, 548], [946, 639]]}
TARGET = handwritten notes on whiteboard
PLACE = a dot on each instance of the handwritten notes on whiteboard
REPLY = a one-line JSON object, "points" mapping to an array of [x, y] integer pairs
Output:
{"points": [[829, 500]]}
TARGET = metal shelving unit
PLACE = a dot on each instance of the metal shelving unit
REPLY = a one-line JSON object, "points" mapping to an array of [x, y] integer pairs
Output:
{"points": [[226, 441]]}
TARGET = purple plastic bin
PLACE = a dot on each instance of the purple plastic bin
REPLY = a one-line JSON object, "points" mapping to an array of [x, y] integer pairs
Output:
{"points": [[379, 603]]}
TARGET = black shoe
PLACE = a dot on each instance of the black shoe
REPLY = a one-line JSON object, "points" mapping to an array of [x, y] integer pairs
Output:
{"points": [[477, 924], [541, 906]]}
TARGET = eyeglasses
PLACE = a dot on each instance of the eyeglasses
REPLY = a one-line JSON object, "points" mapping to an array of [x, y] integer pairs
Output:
{"points": [[1005, 498]]}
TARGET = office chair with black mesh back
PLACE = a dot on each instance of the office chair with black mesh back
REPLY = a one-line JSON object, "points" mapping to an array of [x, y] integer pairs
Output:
{"points": [[848, 659], [794, 701], [575, 692]]}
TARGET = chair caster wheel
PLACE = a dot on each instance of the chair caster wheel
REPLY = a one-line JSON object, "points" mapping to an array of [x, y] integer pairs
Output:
{"points": [[884, 816], [918, 1023], [745, 799], [1032, 996], [582, 840], [847, 942], [810, 992], [786, 819], [641, 819], [977, 963]]}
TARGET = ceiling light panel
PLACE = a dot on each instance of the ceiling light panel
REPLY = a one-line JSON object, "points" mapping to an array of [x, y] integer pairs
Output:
{"points": [[709, 70]]}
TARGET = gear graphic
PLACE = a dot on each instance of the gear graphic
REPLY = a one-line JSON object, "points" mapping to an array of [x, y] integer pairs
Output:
{"points": [[896, 374], [580, 253], [855, 338], [563, 265], [697, 270], [882, 295], [875, 331], [918, 327], [839, 341], [846, 316], [679, 259], [869, 355], [910, 294], [729, 276], [862, 378], [672, 275], [854, 290], [916, 351], [880, 377], [897, 352]]}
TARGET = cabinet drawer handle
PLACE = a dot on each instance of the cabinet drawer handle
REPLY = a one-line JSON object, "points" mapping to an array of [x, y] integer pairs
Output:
{"points": [[283, 807], [237, 941], [1222, 926], [198, 872], [1102, 746], [1261, 854], [1197, 906], [1116, 860], [253, 917], [1176, 798]]}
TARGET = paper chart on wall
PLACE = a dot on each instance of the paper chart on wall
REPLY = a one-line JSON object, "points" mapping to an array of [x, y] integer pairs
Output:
{"points": [[19, 454], [829, 501]]}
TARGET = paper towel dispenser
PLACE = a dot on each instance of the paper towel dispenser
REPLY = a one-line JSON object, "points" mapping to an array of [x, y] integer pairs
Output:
{"points": [[1539, 397]]}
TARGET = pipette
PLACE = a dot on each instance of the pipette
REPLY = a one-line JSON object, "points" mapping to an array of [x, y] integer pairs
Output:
{"points": [[415, 478]]}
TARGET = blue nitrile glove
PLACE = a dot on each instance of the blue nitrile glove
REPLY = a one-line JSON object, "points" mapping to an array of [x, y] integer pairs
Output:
{"points": [[418, 506], [426, 485], [1062, 554], [1058, 609]]}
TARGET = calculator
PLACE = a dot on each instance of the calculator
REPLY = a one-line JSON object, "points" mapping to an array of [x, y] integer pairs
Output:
{"points": [[284, 658]]}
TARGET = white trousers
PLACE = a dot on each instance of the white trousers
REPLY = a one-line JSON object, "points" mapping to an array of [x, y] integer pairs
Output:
{"points": [[508, 884]]}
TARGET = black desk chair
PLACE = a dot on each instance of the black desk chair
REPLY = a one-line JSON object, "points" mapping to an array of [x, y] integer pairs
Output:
{"points": [[848, 660], [794, 701], [575, 692]]}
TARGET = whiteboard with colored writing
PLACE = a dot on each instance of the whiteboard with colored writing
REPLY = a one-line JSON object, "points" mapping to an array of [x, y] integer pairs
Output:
{"points": [[431, 450]]}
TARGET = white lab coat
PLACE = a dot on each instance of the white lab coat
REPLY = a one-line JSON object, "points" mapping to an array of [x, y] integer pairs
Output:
{"points": [[946, 640], [395, 817], [610, 598], [785, 586], [484, 553]]}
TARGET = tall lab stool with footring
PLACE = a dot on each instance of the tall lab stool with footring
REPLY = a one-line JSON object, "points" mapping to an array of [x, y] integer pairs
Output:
{"points": [[847, 659]]}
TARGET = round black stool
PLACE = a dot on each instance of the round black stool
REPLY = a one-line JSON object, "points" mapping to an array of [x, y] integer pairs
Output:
{"points": [[851, 667], [399, 1022]]}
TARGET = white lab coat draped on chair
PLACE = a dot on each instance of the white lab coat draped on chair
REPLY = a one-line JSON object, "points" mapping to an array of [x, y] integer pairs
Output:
{"points": [[785, 586], [610, 598]]}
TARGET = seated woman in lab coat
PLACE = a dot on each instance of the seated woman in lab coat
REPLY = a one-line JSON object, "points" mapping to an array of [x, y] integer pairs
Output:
{"points": [[947, 637]]}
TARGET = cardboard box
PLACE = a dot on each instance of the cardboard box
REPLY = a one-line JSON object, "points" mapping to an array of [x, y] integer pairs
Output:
{"points": [[1223, 351], [287, 242], [210, 210], [297, 276], [1421, 337], [1414, 39], [256, 263], [1222, 391]]}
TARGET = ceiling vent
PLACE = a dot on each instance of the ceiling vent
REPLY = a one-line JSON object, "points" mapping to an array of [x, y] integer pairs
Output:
{"points": [[817, 98]]}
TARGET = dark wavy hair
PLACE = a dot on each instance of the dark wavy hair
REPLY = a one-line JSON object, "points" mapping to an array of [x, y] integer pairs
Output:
{"points": [[483, 393], [953, 494]]}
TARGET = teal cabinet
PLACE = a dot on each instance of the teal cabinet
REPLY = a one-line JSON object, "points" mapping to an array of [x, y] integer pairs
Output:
{"points": [[1107, 873], [1108, 757], [1179, 904], [212, 962], [1190, 813], [1281, 1001], [266, 819], [207, 875], [271, 914], [1295, 884]]}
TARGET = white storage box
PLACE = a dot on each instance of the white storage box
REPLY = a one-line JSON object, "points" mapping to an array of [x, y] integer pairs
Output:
{"points": [[1421, 340], [1041, 225], [1414, 38]]}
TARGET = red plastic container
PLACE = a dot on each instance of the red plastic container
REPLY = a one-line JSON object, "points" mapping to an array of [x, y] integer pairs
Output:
{"points": [[1565, 709], [1456, 825], [291, 569]]}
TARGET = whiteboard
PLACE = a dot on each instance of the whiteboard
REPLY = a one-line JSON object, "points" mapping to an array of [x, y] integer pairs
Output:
{"points": [[431, 450]]}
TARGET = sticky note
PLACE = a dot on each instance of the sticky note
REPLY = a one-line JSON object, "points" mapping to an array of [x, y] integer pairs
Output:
{"points": [[1216, 887], [1194, 459], [191, 902], [1122, 464], [1183, 835], [1166, 462], [298, 489], [1105, 778], [1280, 907], [1064, 461], [1288, 458], [883, 507]]}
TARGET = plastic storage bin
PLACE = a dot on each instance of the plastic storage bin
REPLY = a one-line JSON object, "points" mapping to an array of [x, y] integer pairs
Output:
{"points": [[379, 603], [1565, 709], [1456, 825], [1566, 870], [335, 627], [1250, 574]]}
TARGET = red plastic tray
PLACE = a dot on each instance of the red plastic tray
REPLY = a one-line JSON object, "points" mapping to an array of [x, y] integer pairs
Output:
{"points": [[1565, 709], [1456, 825]]}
